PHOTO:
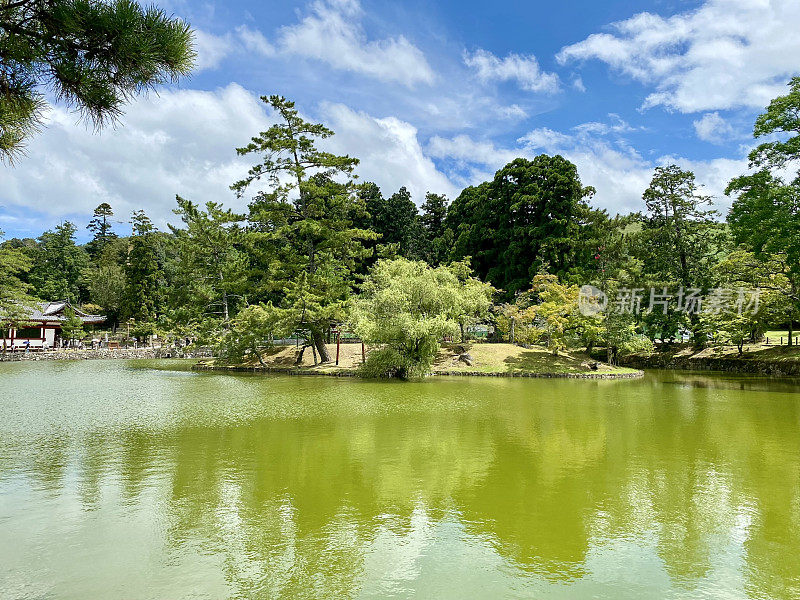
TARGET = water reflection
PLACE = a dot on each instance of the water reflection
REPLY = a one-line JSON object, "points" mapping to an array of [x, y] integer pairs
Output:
{"points": [[118, 477]]}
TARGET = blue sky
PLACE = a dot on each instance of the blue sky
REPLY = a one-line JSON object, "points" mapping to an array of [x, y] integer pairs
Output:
{"points": [[433, 96]]}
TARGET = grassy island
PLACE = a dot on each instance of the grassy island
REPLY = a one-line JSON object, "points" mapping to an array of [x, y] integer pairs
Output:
{"points": [[479, 359]]}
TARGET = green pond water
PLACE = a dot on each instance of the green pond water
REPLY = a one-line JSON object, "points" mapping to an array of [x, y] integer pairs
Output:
{"points": [[144, 480]]}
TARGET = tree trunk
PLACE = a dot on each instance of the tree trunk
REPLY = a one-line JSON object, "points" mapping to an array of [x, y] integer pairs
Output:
{"points": [[318, 340], [258, 356], [791, 328], [461, 325]]}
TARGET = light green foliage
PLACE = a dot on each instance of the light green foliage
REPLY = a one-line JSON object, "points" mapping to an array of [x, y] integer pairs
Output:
{"points": [[621, 336], [93, 55], [548, 314], [410, 306], [252, 330]]}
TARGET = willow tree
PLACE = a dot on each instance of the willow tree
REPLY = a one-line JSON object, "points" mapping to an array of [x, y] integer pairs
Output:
{"points": [[301, 222]]}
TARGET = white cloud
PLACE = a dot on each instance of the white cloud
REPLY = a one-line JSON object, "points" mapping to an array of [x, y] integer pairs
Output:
{"points": [[577, 83], [713, 128], [211, 49], [514, 67], [726, 54], [254, 41], [178, 142], [332, 33], [618, 172], [389, 151], [183, 142]]}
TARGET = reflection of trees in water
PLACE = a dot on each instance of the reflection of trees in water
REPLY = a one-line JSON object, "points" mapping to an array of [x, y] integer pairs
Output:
{"points": [[294, 504]]}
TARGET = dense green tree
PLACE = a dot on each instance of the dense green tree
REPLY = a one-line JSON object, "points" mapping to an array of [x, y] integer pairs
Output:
{"points": [[765, 214], [302, 226], [531, 216], [680, 242], [765, 218], [94, 55], [211, 267], [437, 237], [14, 292], [71, 326], [399, 224], [58, 265], [144, 276]]}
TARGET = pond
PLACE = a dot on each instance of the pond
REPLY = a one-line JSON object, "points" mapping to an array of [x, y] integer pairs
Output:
{"points": [[137, 479]]}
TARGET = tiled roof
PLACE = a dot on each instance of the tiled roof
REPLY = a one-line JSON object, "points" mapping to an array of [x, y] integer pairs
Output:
{"points": [[54, 311]]}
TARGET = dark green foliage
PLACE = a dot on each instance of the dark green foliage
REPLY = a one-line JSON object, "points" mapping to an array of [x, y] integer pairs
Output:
{"points": [[211, 267], [93, 55], [532, 216], [437, 238], [101, 229], [302, 234], [58, 265], [144, 289]]}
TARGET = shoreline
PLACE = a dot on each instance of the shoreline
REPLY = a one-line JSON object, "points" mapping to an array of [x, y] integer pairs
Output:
{"points": [[259, 370]]}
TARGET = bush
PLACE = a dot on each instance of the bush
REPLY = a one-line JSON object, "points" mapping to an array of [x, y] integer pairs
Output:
{"points": [[387, 363]]}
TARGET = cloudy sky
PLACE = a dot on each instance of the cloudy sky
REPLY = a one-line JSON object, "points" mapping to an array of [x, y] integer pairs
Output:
{"points": [[431, 95]]}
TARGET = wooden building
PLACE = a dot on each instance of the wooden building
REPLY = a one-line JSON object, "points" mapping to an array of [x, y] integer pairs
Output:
{"points": [[43, 326]]}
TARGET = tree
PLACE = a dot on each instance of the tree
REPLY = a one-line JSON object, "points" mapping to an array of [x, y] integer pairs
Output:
{"points": [[765, 214], [14, 292], [144, 285], [680, 243], [101, 228], [92, 54], [302, 225], [781, 117], [72, 326], [58, 265], [253, 330], [532, 215], [211, 267], [409, 306], [438, 239], [399, 224]]}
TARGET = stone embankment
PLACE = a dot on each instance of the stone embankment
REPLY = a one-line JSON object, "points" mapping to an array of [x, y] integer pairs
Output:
{"points": [[727, 364], [105, 354]]}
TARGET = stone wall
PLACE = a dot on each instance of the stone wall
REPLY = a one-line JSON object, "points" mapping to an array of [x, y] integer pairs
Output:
{"points": [[106, 353]]}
